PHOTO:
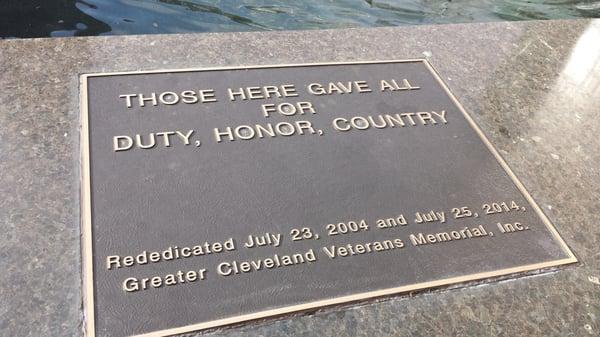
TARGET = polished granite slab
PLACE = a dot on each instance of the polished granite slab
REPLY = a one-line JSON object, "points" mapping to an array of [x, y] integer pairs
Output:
{"points": [[533, 87]]}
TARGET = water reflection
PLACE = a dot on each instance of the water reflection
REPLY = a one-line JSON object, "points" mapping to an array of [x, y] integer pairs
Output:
{"points": [[35, 18], [196, 7], [30, 18]]}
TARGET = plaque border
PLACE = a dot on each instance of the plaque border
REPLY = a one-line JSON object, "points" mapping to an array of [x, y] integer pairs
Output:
{"points": [[86, 220]]}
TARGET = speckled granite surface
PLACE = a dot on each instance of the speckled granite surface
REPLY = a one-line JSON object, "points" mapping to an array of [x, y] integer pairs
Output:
{"points": [[533, 87]]}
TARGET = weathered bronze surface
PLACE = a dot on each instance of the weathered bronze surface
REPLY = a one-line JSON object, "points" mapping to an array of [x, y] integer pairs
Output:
{"points": [[214, 196]]}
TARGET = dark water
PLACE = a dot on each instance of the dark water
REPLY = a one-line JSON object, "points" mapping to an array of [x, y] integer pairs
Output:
{"points": [[41, 18]]}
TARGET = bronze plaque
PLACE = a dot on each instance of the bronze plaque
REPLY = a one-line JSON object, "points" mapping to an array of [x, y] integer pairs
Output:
{"points": [[216, 196]]}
